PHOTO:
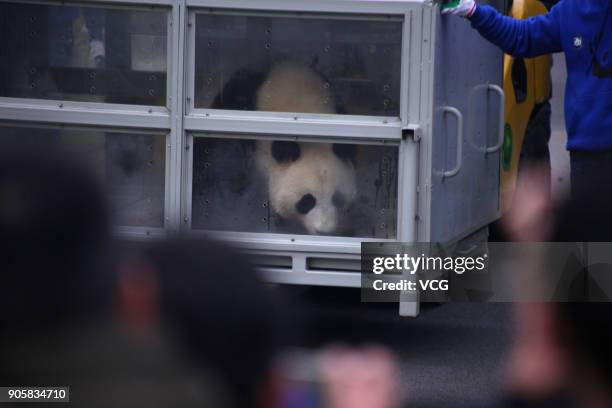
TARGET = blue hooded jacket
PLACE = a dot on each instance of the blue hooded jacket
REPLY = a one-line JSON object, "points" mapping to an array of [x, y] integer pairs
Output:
{"points": [[583, 30]]}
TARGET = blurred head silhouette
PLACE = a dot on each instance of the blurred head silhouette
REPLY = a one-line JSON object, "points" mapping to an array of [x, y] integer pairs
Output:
{"points": [[59, 292], [222, 312], [54, 237]]}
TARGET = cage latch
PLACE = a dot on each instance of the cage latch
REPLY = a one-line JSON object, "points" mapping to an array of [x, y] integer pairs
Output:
{"points": [[413, 131]]}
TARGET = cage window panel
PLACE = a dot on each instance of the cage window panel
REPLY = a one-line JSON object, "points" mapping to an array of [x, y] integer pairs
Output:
{"points": [[130, 166], [83, 53], [288, 187], [303, 64]]}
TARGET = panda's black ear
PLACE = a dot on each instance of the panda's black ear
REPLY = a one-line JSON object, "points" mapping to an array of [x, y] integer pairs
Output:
{"points": [[285, 151], [345, 151]]}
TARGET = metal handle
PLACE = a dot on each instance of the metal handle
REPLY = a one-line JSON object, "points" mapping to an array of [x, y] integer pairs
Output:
{"points": [[470, 135], [502, 102], [459, 116]]}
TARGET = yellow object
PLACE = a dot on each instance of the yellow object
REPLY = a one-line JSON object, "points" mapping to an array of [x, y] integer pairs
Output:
{"points": [[521, 99]]}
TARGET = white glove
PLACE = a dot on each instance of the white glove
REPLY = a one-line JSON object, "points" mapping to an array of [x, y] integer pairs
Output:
{"points": [[463, 8]]}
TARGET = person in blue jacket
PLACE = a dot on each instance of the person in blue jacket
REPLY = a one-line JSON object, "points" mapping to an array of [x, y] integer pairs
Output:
{"points": [[582, 29]]}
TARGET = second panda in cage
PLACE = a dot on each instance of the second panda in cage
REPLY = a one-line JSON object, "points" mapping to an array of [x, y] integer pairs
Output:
{"points": [[311, 183]]}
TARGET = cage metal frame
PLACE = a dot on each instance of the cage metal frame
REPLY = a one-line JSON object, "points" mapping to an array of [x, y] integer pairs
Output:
{"points": [[182, 122]]}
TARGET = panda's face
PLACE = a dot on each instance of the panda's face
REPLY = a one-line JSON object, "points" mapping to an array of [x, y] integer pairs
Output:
{"points": [[313, 183]]}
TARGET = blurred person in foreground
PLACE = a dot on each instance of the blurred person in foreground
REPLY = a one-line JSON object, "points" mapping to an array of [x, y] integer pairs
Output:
{"points": [[360, 377], [179, 322], [218, 308], [60, 295], [562, 353], [236, 327]]}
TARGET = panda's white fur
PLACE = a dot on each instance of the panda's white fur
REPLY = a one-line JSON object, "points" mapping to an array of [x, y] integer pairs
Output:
{"points": [[318, 171], [292, 87]]}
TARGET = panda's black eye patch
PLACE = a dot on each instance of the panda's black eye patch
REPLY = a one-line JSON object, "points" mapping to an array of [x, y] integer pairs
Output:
{"points": [[345, 151], [285, 151], [306, 203]]}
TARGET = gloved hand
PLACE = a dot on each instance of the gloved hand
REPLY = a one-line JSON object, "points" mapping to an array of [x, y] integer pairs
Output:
{"points": [[463, 8]]}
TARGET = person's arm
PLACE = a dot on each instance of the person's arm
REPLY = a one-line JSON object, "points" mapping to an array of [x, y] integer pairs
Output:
{"points": [[534, 36]]}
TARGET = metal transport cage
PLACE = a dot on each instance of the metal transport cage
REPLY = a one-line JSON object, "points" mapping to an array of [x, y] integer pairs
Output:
{"points": [[142, 89]]}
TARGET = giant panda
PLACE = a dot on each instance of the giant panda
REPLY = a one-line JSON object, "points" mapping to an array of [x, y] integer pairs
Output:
{"points": [[311, 183]]}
